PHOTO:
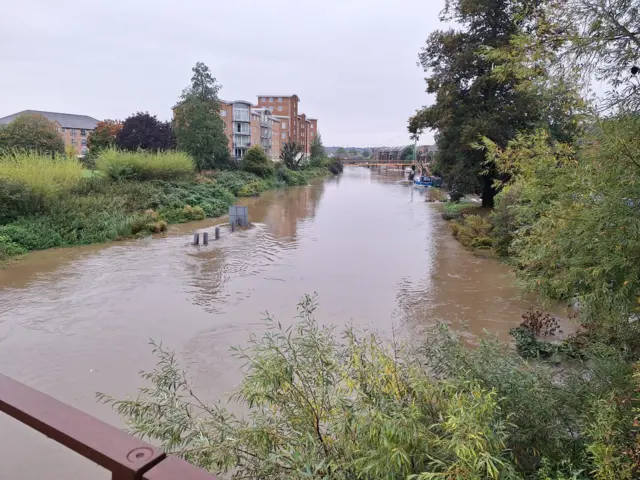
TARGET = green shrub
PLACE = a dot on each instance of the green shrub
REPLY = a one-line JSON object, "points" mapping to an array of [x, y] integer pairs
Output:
{"points": [[148, 222], [184, 214], [41, 175], [17, 200], [256, 161], [317, 404], [504, 219], [290, 177], [335, 166], [35, 233], [9, 248], [455, 210], [473, 231], [124, 165]]}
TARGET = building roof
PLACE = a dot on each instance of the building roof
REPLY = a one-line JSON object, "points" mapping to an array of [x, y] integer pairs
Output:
{"points": [[66, 120]]}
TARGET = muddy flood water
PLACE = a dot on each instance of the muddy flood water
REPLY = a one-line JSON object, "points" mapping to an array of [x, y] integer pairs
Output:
{"points": [[76, 321]]}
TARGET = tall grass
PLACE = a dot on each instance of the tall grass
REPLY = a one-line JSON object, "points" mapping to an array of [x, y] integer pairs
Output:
{"points": [[121, 165], [41, 174]]}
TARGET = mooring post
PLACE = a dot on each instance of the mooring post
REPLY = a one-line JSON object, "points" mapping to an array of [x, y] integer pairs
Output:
{"points": [[233, 226], [217, 233], [205, 238], [196, 238]]}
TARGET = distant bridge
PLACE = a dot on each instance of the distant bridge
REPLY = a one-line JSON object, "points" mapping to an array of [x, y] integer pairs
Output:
{"points": [[379, 163]]}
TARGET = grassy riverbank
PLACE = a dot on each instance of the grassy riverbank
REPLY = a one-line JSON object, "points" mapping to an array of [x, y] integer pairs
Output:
{"points": [[47, 203]]}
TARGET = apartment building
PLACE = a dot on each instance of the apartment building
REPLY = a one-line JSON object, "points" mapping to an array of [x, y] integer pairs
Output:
{"points": [[73, 128], [295, 126], [270, 124]]}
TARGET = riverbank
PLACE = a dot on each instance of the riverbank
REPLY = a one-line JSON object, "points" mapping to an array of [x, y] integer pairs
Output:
{"points": [[47, 203]]}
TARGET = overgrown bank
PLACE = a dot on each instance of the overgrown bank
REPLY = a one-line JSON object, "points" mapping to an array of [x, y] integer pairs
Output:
{"points": [[47, 202]]}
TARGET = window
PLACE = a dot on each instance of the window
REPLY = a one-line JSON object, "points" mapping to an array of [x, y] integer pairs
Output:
{"points": [[280, 99], [284, 126], [83, 132], [60, 129], [312, 126], [73, 141], [264, 99], [271, 99], [223, 113], [74, 132], [279, 108], [84, 141], [284, 135]]}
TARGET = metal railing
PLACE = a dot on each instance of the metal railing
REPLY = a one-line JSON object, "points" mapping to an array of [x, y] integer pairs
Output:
{"points": [[126, 457]]}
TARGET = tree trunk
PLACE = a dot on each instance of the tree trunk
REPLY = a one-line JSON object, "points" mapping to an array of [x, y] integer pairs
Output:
{"points": [[488, 192]]}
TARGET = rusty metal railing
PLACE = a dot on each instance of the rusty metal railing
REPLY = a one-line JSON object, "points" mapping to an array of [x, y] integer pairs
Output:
{"points": [[126, 457]]}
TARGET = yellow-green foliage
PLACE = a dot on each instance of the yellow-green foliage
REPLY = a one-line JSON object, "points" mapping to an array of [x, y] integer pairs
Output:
{"points": [[123, 165], [473, 231], [41, 174]]}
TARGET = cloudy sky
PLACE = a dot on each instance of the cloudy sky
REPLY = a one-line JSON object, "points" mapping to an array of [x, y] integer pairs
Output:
{"points": [[351, 62]]}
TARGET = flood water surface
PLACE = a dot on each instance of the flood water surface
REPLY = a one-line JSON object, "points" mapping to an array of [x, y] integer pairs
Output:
{"points": [[76, 321]]}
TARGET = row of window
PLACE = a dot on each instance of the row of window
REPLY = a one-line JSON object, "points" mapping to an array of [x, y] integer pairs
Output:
{"points": [[75, 142], [264, 99], [73, 131]]}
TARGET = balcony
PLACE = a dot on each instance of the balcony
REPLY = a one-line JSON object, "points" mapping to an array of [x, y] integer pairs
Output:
{"points": [[126, 457]]}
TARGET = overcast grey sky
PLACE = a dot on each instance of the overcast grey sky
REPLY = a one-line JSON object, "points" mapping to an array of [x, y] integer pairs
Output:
{"points": [[351, 62]]}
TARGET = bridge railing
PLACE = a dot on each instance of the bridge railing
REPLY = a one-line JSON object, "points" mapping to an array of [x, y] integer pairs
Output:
{"points": [[126, 457]]}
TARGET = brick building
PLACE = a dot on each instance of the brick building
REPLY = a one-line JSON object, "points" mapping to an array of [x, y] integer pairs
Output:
{"points": [[274, 121], [74, 129]]}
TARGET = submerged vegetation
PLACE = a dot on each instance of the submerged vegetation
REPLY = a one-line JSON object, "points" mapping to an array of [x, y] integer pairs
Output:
{"points": [[47, 202]]}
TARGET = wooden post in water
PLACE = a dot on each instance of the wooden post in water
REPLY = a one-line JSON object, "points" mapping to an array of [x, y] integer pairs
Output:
{"points": [[205, 238], [217, 233], [196, 238], [233, 226]]}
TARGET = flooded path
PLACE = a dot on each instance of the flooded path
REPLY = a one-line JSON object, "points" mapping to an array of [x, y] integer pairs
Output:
{"points": [[76, 321]]}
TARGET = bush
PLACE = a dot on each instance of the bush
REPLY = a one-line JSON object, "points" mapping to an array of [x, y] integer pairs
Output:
{"points": [[184, 214], [473, 231], [17, 201], [40, 175], [9, 249], [140, 166], [289, 177], [504, 219], [454, 210], [323, 405], [335, 166], [243, 184], [256, 161]]}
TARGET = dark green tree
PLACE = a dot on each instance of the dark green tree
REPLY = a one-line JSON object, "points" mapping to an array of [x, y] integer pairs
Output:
{"points": [[341, 151], [197, 124], [256, 161], [31, 132], [366, 153], [471, 100], [353, 151], [145, 132], [291, 155], [317, 148]]}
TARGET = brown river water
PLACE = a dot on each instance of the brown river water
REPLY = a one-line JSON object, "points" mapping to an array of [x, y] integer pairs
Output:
{"points": [[78, 320]]}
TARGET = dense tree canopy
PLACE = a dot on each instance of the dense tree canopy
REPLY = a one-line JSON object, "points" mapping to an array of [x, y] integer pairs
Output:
{"points": [[146, 132], [104, 136], [31, 132], [472, 100], [317, 148], [197, 124], [291, 155]]}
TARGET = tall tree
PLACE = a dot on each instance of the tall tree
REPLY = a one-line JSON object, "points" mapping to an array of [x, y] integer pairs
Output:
{"points": [[471, 101], [197, 123], [317, 148], [31, 132], [146, 132], [366, 153], [291, 155], [104, 136]]}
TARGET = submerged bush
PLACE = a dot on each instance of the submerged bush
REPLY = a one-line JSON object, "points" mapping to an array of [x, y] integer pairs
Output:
{"points": [[473, 231], [321, 405], [124, 165]]}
